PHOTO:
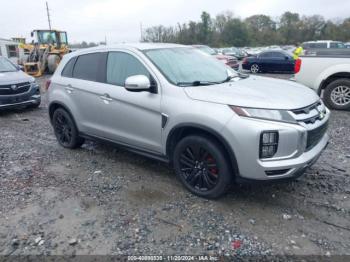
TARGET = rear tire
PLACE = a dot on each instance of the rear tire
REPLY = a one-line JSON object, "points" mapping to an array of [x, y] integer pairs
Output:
{"points": [[337, 94], [254, 68], [201, 165], [65, 129]]}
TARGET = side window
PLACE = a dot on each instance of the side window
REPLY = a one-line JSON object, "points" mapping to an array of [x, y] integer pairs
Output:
{"points": [[265, 55], [87, 67], [277, 55], [321, 45], [12, 51], [68, 68], [122, 65]]}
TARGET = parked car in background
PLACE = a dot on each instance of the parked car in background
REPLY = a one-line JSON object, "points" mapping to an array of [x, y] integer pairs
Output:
{"points": [[328, 75], [230, 61], [311, 46], [233, 51], [269, 61], [17, 89], [322, 44], [347, 45], [176, 104]]}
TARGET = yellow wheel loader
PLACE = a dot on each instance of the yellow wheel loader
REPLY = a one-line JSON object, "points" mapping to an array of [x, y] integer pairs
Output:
{"points": [[45, 52]]}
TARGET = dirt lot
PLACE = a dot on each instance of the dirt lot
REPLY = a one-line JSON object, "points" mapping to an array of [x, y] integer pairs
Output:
{"points": [[103, 200]]}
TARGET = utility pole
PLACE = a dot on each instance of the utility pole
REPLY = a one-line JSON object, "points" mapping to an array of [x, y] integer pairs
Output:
{"points": [[141, 32], [48, 15]]}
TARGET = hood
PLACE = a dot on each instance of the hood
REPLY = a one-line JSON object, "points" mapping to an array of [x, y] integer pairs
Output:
{"points": [[257, 92], [7, 78]]}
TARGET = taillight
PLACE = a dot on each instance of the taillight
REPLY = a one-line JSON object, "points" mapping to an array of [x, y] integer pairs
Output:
{"points": [[297, 65], [245, 61], [47, 84]]}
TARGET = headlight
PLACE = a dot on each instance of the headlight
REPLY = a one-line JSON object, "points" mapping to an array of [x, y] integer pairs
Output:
{"points": [[267, 114]]}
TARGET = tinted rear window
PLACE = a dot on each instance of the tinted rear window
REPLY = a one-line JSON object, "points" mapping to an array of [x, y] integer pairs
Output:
{"points": [[87, 67], [68, 69]]}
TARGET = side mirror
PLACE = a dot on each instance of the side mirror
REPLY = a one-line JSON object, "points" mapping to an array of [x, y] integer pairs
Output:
{"points": [[137, 83]]}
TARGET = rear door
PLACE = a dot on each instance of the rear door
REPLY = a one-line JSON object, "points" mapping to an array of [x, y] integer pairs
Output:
{"points": [[85, 87], [264, 61]]}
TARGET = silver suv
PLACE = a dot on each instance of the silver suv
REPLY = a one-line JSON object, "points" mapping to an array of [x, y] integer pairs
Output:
{"points": [[177, 104]]}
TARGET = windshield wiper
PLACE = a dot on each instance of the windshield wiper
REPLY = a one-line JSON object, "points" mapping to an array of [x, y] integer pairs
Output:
{"points": [[198, 83], [239, 75]]}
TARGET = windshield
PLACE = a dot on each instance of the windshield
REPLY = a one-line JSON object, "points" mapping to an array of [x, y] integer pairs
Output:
{"points": [[47, 37], [185, 66], [6, 65], [207, 50]]}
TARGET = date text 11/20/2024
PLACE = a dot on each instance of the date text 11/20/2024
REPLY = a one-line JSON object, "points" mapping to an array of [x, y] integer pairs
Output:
{"points": [[173, 258]]}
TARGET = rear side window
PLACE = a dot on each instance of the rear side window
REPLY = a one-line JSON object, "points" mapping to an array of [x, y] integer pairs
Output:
{"points": [[88, 67], [122, 65], [68, 68], [265, 55], [276, 55]]}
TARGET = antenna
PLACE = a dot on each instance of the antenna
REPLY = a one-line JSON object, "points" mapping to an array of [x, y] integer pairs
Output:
{"points": [[48, 15]]}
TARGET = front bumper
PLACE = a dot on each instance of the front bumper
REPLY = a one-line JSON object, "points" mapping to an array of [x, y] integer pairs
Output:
{"points": [[291, 159], [32, 97]]}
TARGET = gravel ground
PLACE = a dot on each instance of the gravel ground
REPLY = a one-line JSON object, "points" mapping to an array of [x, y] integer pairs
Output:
{"points": [[104, 200]]}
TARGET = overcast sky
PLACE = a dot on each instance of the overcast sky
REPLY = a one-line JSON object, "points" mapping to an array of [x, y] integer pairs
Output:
{"points": [[119, 20]]}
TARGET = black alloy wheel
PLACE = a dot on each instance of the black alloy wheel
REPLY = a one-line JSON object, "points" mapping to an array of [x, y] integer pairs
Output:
{"points": [[201, 165], [65, 129]]}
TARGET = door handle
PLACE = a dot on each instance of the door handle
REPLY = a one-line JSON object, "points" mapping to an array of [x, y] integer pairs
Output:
{"points": [[106, 97], [69, 89]]}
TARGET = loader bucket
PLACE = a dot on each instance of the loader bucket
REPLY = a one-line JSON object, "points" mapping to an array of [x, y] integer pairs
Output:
{"points": [[33, 69]]}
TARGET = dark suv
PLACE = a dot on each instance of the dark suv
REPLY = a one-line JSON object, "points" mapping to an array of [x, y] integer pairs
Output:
{"points": [[17, 88]]}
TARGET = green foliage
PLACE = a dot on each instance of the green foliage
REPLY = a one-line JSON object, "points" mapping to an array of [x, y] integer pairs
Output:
{"points": [[256, 30]]}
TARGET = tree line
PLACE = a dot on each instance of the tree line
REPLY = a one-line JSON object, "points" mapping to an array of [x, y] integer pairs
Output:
{"points": [[85, 44], [257, 30]]}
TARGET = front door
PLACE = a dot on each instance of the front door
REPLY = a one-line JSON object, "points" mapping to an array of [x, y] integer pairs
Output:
{"points": [[133, 118]]}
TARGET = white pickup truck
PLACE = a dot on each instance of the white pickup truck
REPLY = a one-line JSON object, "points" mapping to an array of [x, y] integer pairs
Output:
{"points": [[328, 76]]}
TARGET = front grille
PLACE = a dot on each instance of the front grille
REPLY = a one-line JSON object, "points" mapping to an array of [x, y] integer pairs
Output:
{"points": [[14, 89], [315, 135], [311, 114]]}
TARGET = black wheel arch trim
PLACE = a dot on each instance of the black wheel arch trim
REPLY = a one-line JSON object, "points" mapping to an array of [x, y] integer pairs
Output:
{"points": [[220, 138], [60, 104]]}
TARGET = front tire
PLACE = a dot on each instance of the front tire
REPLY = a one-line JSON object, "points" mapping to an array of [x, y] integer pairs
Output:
{"points": [[201, 165], [65, 129], [337, 94], [52, 63]]}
